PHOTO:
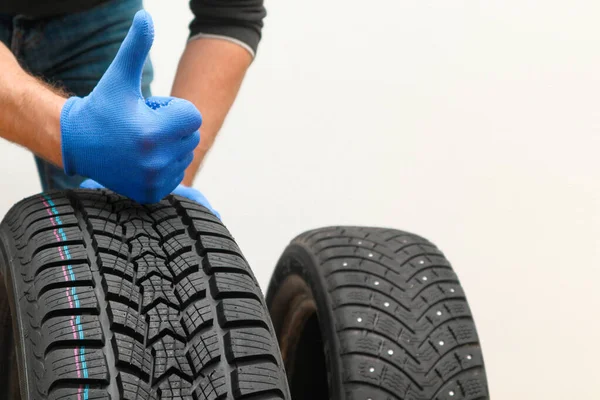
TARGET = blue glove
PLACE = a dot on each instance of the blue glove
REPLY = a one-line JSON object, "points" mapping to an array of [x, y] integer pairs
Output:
{"points": [[181, 190], [195, 195], [136, 147]]}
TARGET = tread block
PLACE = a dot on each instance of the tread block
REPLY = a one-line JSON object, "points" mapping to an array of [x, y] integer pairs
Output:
{"points": [[49, 213], [56, 256], [116, 265], [354, 264], [255, 379], [60, 233], [98, 209], [30, 205], [332, 241], [222, 262], [157, 289], [424, 284], [191, 287], [43, 225], [233, 285], [77, 363], [126, 319], [183, 263], [445, 310], [196, 316], [413, 255], [67, 299], [132, 354], [178, 244], [196, 211], [174, 387], [164, 212], [79, 393], [466, 385], [249, 344], [363, 369], [357, 317], [371, 298], [61, 276], [111, 245], [106, 227], [361, 392], [471, 385], [131, 388], [238, 312], [143, 245], [73, 237], [162, 320], [169, 224], [135, 218], [218, 244], [376, 346], [170, 354], [60, 331], [149, 265], [118, 289], [212, 386], [205, 350], [203, 226]]}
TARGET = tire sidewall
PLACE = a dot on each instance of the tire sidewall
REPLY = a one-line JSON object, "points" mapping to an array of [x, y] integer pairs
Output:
{"points": [[8, 257], [298, 260]]}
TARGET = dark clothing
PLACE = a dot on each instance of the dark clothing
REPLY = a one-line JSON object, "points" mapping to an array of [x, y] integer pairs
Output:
{"points": [[241, 20], [41, 8]]}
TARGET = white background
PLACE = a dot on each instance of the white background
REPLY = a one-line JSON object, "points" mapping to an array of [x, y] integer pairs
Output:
{"points": [[475, 124]]}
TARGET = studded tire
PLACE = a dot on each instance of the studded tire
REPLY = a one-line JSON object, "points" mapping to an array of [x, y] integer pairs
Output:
{"points": [[373, 314], [104, 298]]}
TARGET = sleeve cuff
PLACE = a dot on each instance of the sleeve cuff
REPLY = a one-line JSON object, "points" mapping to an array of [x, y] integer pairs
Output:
{"points": [[223, 37]]}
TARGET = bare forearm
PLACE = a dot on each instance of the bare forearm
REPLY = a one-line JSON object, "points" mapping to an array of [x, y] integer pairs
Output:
{"points": [[29, 110], [209, 75]]}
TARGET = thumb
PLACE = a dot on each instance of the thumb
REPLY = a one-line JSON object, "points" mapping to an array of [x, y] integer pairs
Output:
{"points": [[129, 61]]}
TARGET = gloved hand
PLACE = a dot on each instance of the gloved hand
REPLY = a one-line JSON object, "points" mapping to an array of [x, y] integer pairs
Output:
{"points": [[181, 190], [137, 147]]}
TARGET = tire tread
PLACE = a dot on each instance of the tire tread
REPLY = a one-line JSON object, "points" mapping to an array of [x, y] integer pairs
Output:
{"points": [[403, 326], [166, 306]]}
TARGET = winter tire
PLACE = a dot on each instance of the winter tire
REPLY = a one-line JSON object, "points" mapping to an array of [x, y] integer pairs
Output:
{"points": [[373, 314], [104, 298]]}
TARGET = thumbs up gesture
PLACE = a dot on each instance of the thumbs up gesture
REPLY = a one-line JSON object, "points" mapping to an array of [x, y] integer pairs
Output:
{"points": [[137, 147]]}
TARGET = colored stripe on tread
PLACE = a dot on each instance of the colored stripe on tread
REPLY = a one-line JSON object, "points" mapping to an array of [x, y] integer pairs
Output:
{"points": [[77, 328]]}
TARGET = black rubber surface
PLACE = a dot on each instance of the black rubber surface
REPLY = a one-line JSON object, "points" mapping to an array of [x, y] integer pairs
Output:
{"points": [[393, 317], [114, 300]]}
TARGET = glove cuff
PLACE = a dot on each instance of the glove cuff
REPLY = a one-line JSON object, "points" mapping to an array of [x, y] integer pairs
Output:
{"points": [[66, 136]]}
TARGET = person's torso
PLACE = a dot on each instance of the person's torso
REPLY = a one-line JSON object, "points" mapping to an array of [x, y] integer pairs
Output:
{"points": [[45, 8]]}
